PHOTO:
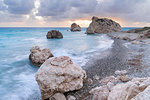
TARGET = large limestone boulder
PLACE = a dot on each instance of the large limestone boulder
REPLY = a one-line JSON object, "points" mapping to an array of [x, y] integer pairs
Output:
{"points": [[102, 25], [38, 56], [59, 74], [75, 27], [54, 34]]}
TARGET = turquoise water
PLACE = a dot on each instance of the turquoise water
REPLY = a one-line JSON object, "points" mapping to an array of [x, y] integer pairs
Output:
{"points": [[17, 80]]}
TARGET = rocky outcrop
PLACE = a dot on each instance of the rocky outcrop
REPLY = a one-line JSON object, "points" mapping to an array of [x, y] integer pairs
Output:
{"points": [[144, 32], [75, 27], [59, 74], [136, 89], [102, 25], [38, 56], [54, 34], [124, 36]]}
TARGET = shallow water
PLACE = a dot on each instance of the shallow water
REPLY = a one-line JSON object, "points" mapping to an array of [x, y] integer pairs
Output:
{"points": [[17, 80]]}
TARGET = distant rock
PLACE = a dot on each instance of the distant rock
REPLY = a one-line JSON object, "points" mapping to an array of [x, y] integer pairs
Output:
{"points": [[144, 32], [75, 27], [124, 36], [54, 34], [102, 25], [59, 74], [38, 56]]}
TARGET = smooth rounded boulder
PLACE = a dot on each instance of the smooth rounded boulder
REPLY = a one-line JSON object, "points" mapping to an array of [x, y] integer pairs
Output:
{"points": [[75, 27], [59, 74], [103, 25], [54, 34], [38, 56]]}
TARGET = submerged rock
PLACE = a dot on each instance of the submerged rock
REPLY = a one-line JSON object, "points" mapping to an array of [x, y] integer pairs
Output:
{"points": [[59, 74], [54, 34], [75, 27], [102, 25], [38, 56]]}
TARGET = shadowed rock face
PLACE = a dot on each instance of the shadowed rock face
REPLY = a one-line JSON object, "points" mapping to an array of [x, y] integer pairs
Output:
{"points": [[54, 34], [75, 27], [102, 25]]}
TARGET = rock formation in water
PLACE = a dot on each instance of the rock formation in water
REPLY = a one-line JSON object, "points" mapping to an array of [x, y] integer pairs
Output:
{"points": [[59, 74], [54, 34], [38, 56], [102, 25], [144, 32], [75, 27]]}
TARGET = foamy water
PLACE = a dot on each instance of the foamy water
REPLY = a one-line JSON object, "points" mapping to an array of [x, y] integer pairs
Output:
{"points": [[17, 81]]}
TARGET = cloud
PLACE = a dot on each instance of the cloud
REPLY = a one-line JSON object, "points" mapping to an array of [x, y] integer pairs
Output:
{"points": [[19, 6], [131, 11]]}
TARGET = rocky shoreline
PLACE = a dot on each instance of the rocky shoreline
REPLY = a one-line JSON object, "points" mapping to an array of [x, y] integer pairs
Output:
{"points": [[110, 75]]}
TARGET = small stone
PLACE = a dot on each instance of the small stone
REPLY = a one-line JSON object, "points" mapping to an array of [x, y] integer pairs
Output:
{"points": [[58, 96], [96, 77], [90, 81], [120, 72], [124, 78], [70, 97]]}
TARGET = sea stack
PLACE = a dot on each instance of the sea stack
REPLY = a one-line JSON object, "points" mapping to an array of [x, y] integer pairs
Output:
{"points": [[75, 27], [54, 34], [103, 25], [38, 56]]}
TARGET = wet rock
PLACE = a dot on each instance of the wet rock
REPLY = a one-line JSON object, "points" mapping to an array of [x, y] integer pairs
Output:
{"points": [[70, 97], [75, 27], [102, 25], [58, 96], [54, 34], [59, 74], [120, 72], [38, 56], [124, 78]]}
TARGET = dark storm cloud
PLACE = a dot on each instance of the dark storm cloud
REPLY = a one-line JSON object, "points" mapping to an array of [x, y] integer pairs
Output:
{"points": [[19, 6]]}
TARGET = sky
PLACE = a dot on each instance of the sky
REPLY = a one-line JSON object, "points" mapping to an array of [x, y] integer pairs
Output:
{"points": [[62, 13]]}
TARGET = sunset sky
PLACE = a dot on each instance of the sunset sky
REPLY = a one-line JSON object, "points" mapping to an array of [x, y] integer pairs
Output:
{"points": [[62, 13]]}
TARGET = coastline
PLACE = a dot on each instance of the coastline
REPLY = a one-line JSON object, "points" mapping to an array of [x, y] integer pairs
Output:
{"points": [[102, 67]]}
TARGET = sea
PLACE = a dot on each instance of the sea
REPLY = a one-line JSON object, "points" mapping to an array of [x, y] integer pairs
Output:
{"points": [[17, 74]]}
